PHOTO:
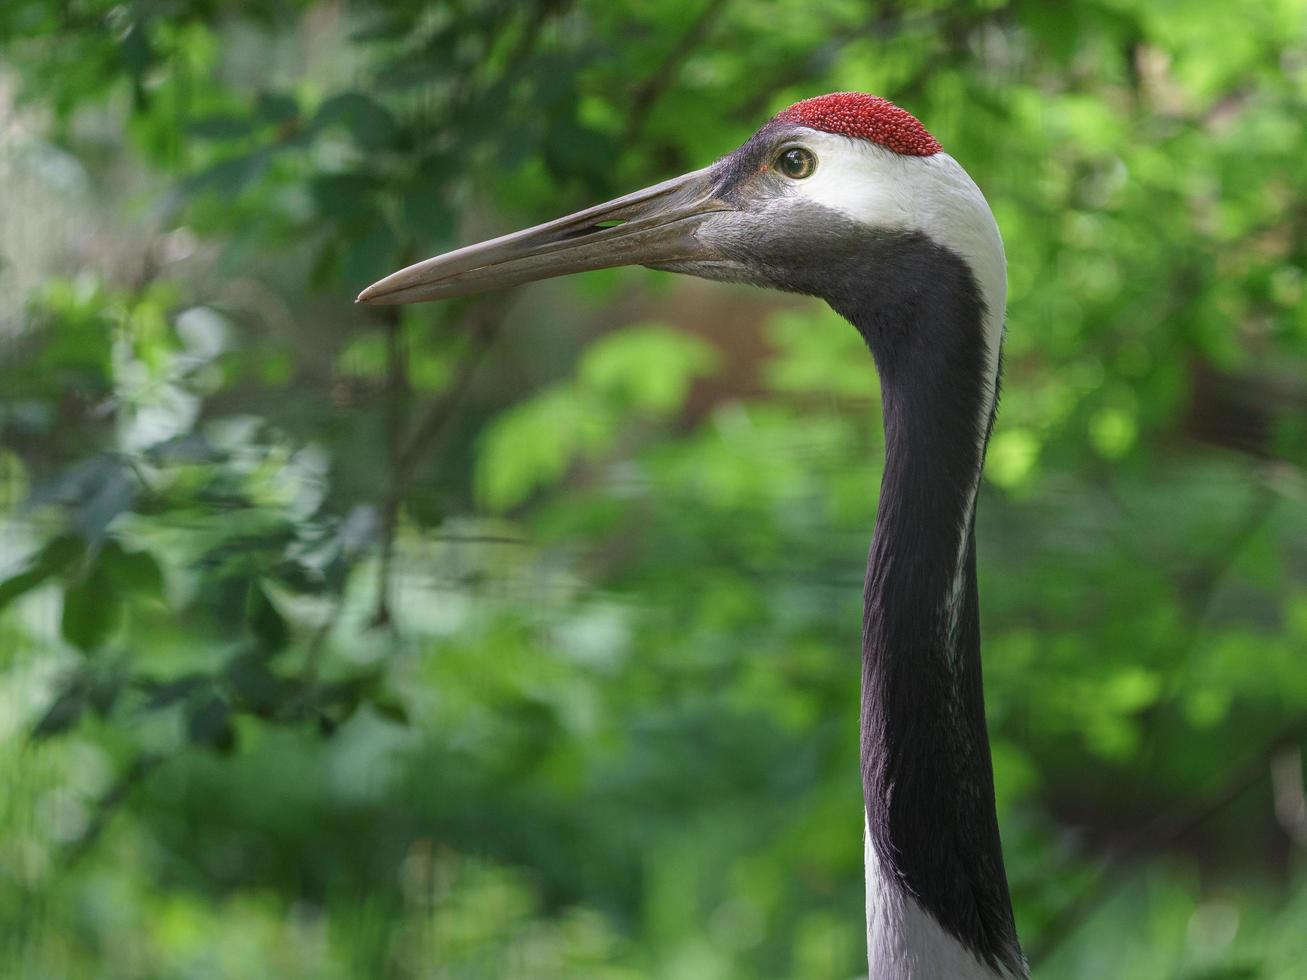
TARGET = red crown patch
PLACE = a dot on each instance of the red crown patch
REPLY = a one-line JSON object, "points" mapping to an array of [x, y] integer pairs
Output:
{"points": [[866, 117]]}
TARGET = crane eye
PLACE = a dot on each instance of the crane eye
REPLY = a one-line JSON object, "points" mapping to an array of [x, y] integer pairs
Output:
{"points": [[796, 163]]}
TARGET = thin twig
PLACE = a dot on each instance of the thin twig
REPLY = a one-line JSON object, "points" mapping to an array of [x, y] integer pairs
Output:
{"points": [[396, 410], [105, 807], [481, 539], [649, 92], [1196, 606], [433, 427], [428, 436], [888, 22]]}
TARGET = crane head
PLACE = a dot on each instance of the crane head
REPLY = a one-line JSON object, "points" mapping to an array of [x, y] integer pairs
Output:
{"points": [[800, 206]]}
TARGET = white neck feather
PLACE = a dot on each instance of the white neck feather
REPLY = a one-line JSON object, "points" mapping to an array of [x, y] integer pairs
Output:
{"points": [[904, 942]]}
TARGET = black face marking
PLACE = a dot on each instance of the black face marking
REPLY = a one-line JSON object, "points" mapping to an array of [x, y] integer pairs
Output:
{"points": [[742, 170], [748, 176]]}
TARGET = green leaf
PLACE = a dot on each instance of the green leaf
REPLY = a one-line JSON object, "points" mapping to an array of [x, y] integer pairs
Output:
{"points": [[347, 197], [229, 177], [391, 708], [65, 711], [51, 560], [91, 611], [135, 49], [369, 255], [368, 121], [112, 495], [276, 107], [264, 621], [221, 127], [648, 367], [163, 694], [210, 724], [425, 212], [533, 444], [136, 571], [260, 690], [93, 603], [20, 584]]}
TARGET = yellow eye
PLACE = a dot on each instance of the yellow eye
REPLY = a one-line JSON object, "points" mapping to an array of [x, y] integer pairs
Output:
{"points": [[796, 163]]}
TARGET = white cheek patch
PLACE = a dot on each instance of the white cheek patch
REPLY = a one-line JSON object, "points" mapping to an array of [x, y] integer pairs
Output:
{"points": [[930, 194], [858, 179]]}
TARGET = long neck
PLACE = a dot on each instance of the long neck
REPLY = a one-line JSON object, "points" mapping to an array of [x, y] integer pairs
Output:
{"points": [[938, 902]]}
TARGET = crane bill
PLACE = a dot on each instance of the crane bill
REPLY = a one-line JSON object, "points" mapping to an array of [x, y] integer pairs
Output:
{"points": [[655, 225]]}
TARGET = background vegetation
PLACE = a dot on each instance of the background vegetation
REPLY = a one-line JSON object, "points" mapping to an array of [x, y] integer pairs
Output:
{"points": [[517, 637]]}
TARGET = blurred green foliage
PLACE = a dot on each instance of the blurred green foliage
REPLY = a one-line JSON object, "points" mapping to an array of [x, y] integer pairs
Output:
{"points": [[517, 637]]}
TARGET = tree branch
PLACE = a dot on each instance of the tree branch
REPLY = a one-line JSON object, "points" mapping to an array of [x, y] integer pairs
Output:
{"points": [[649, 92]]}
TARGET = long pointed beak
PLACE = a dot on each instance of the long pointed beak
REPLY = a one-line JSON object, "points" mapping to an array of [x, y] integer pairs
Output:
{"points": [[654, 226]]}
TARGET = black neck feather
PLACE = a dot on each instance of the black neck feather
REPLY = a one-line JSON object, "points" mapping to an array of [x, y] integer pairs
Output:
{"points": [[927, 776]]}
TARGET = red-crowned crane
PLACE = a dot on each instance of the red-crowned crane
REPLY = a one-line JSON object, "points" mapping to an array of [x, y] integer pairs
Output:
{"points": [[849, 198]]}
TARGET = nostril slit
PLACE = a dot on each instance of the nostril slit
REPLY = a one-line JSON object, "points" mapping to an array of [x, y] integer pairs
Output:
{"points": [[580, 231]]}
